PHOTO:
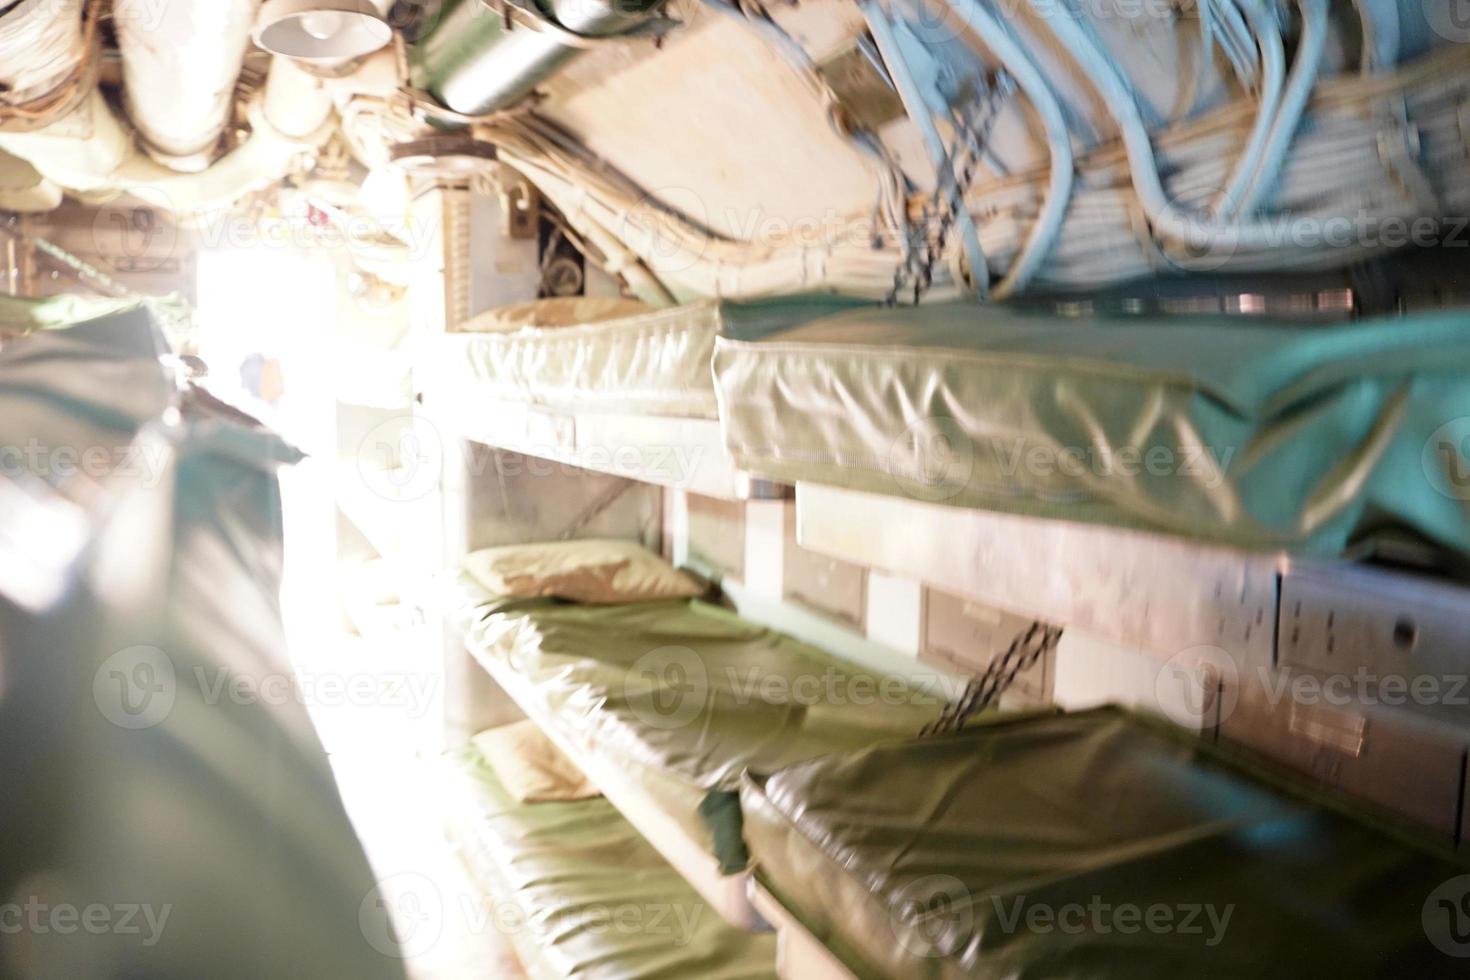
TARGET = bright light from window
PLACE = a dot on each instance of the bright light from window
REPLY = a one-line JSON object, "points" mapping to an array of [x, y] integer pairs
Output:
{"points": [[266, 322]]}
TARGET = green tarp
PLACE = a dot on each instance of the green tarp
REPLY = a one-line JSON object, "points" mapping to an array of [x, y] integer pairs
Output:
{"points": [[137, 782], [1096, 845], [21, 314]]}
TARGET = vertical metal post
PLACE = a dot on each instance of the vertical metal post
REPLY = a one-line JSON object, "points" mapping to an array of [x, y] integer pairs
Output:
{"points": [[12, 268]]}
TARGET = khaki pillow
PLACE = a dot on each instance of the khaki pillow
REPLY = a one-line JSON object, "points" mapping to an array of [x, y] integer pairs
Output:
{"points": [[594, 571], [530, 766]]}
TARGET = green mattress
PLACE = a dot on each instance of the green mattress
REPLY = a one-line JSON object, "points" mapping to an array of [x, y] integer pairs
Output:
{"points": [[582, 894], [1095, 845], [687, 696], [1248, 433]]}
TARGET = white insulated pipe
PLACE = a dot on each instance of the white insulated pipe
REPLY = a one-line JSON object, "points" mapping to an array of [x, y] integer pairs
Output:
{"points": [[90, 153], [40, 45], [181, 60]]}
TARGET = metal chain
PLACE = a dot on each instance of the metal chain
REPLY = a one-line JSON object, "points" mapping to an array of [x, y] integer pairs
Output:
{"points": [[922, 250], [1029, 646], [85, 271]]}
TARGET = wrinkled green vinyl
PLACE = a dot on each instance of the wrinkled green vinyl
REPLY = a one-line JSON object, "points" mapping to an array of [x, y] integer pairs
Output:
{"points": [[1249, 433], [582, 894], [654, 363], [1094, 845], [690, 696]]}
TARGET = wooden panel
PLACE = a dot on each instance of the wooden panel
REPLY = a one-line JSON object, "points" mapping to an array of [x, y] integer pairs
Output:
{"points": [[1408, 771], [965, 635], [829, 584], [717, 534]]}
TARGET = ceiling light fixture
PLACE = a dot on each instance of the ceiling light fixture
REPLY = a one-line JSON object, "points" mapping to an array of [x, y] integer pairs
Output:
{"points": [[323, 31]]}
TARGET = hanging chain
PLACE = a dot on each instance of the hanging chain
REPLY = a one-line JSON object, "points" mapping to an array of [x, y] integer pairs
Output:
{"points": [[924, 250], [1029, 646]]}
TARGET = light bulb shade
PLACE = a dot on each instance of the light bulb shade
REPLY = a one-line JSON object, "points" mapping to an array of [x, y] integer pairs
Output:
{"points": [[322, 30]]}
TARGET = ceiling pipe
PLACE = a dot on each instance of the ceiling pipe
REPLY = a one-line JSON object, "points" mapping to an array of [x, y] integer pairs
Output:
{"points": [[89, 152], [41, 45], [480, 59], [181, 60]]}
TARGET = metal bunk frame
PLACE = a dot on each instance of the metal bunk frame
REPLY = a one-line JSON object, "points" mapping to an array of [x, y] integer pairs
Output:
{"points": [[667, 451], [726, 894], [1237, 619]]}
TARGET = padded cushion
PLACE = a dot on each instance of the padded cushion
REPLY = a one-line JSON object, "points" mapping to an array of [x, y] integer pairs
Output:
{"points": [[585, 894], [1039, 846], [1255, 434], [592, 571], [530, 766], [657, 363], [686, 696]]}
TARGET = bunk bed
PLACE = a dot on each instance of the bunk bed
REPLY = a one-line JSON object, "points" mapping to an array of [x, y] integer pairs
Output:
{"points": [[630, 395], [1077, 845], [978, 452], [1267, 495], [586, 894], [666, 704]]}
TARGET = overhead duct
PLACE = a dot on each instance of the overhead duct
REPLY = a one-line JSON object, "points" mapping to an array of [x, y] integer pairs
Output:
{"points": [[478, 59], [181, 60], [90, 153], [42, 47], [42, 44]]}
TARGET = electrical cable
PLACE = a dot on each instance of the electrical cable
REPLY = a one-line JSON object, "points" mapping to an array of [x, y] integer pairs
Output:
{"points": [[1048, 224], [1334, 171]]}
